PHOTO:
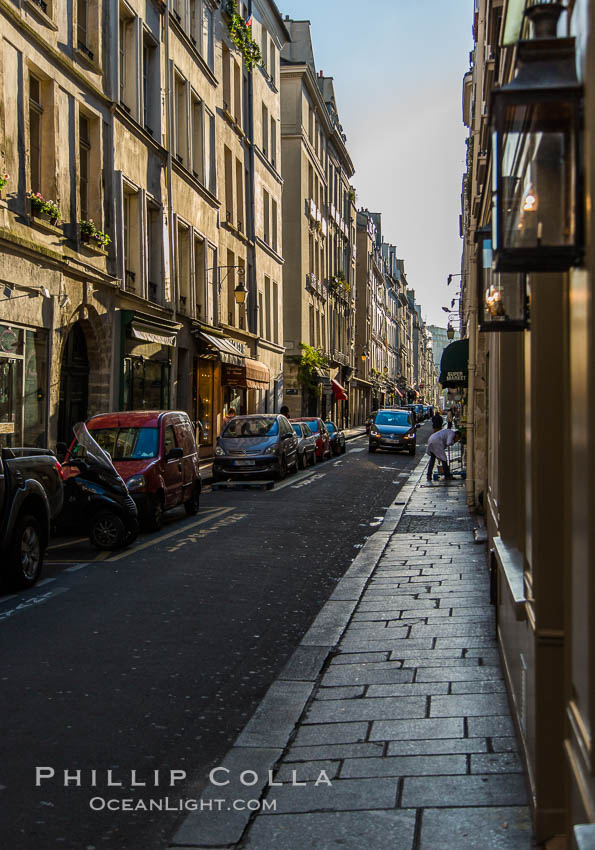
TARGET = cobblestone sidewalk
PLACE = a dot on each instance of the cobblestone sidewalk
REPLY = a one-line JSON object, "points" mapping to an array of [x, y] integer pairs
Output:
{"points": [[409, 720]]}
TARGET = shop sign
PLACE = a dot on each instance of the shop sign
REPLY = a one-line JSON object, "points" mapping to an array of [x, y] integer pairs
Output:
{"points": [[9, 340], [233, 376], [291, 391]]}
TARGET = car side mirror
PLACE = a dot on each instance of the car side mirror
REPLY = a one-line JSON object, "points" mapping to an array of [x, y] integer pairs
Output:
{"points": [[176, 453]]}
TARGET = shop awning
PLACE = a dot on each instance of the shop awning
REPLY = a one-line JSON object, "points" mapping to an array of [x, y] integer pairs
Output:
{"points": [[454, 365], [146, 335], [339, 392], [228, 352], [258, 376]]}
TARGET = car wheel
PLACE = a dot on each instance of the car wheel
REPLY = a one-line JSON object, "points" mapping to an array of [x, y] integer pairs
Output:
{"points": [[282, 472], [154, 518], [132, 533], [107, 531], [411, 450], [343, 449], [313, 459], [192, 505], [26, 553], [371, 448], [303, 463]]}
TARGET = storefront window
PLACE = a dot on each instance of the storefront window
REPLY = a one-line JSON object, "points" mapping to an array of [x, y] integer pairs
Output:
{"points": [[205, 401], [23, 387], [146, 383]]}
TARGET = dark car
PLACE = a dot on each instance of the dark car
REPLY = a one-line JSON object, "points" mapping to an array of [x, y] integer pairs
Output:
{"points": [[337, 438], [318, 428], [258, 445], [155, 453], [393, 429], [306, 444]]}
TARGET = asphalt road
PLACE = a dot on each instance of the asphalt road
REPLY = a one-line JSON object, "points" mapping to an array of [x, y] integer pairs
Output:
{"points": [[155, 658]]}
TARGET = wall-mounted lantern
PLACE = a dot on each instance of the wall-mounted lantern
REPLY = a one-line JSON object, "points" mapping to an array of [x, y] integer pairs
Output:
{"points": [[537, 215], [502, 297]]}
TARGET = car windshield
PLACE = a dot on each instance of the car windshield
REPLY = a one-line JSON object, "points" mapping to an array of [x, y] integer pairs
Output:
{"points": [[128, 443], [252, 426], [297, 429], [392, 417], [330, 427], [313, 426]]}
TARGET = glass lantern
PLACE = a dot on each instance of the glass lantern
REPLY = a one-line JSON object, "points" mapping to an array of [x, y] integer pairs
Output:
{"points": [[502, 297]]}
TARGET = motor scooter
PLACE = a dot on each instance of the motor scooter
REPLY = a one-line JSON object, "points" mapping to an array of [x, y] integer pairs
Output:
{"points": [[96, 498]]}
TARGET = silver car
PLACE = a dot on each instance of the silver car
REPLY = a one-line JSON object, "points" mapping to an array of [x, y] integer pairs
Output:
{"points": [[306, 444]]}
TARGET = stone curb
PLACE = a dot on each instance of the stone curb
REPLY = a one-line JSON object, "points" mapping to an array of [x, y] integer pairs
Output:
{"points": [[266, 736]]}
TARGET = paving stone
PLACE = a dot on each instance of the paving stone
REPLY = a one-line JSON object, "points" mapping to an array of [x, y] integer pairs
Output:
{"points": [[329, 625], [451, 674], [505, 745], [393, 730], [491, 686], [326, 752], [374, 645], [437, 746], [496, 763], [455, 653], [499, 726], [274, 720], [305, 664], [387, 708], [478, 790], [383, 673], [457, 630], [359, 657], [333, 831], [465, 642], [428, 663], [413, 689], [467, 705], [342, 795], [340, 693], [306, 771], [422, 765], [494, 828], [331, 733]]}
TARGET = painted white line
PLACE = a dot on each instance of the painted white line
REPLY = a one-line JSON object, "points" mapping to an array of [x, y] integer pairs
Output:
{"points": [[362, 449], [31, 601], [301, 476], [213, 513], [45, 581], [308, 481], [67, 543], [75, 568]]}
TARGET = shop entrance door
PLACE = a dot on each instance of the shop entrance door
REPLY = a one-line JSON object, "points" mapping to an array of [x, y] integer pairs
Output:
{"points": [[74, 384]]}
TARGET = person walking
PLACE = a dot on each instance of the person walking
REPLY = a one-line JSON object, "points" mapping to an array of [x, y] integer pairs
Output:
{"points": [[284, 411], [436, 448], [437, 421]]}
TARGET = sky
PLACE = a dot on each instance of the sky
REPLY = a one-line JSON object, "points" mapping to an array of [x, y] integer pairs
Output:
{"points": [[398, 69]]}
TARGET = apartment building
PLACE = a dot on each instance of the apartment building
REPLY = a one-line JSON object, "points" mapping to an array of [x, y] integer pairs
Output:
{"points": [[318, 247]]}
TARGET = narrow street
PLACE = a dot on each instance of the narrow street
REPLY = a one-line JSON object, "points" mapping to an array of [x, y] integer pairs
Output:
{"points": [[155, 658]]}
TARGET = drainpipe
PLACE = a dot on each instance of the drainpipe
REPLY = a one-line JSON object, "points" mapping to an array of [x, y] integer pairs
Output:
{"points": [[472, 333], [252, 287], [170, 209]]}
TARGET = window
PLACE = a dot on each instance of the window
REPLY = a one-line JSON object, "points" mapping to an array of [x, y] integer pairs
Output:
{"points": [[181, 122], [263, 47], [237, 88], [273, 156], [231, 285], [275, 313], [131, 238], [210, 153], [265, 203], [310, 124], [82, 26], [154, 242], [196, 23], [239, 195], [226, 63], [274, 224], [84, 150], [265, 130], [208, 41], [261, 312], [196, 116], [267, 306], [227, 160], [272, 61], [184, 268], [35, 126], [200, 292]]}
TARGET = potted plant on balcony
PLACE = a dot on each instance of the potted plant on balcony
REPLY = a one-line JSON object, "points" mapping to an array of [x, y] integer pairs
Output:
{"points": [[241, 35], [3, 180], [41, 208], [91, 235]]}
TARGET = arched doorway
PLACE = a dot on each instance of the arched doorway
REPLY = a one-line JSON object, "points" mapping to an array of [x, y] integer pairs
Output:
{"points": [[74, 383]]}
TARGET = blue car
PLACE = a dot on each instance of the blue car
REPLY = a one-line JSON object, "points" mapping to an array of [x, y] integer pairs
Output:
{"points": [[393, 429]]}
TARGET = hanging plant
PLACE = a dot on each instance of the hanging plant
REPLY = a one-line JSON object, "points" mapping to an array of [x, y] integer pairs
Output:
{"points": [[312, 360], [351, 194], [3, 180], [241, 35]]}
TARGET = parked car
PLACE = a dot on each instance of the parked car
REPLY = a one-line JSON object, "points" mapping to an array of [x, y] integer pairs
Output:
{"points": [[260, 445], [337, 438], [318, 428], [393, 429], [306, 443], [155, 453], [31, 496], [96, 499]]}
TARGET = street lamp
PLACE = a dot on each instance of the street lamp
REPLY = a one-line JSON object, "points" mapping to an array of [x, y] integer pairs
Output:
{"points": [[502, 297], [537, 217]]}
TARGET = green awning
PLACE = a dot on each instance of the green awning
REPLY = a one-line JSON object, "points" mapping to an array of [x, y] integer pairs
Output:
{"points": [[454, 365]]}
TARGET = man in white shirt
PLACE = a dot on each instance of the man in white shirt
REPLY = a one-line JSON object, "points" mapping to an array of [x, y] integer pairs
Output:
{"points": [[436, 448]]}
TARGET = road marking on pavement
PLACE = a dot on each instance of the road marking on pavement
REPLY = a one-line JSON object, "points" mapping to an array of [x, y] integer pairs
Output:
{"points": [[301, 476], [31, 601], [209, 514], [66, 543], [311, 480], [75, 568], [362, 449], [45, 581]]}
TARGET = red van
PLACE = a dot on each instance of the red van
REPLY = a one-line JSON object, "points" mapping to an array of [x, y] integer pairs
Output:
{"points": [[155, 453]]}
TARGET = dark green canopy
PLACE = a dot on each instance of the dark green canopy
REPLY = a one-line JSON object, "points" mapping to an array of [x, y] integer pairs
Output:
{"points": [[454, 364]]}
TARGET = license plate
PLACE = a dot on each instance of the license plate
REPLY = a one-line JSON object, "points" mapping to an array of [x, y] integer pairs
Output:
{"points": [[244, 463]]}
